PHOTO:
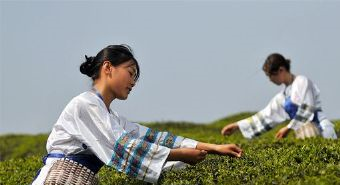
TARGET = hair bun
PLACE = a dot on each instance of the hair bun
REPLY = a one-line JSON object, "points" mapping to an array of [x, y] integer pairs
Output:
{"points": [[88, 66]]}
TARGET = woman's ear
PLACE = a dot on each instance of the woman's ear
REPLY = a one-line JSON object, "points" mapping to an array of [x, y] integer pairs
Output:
{"points": [[107, 67], [282, 69]]}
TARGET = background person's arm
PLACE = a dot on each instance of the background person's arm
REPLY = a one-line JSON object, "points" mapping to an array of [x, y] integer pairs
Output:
{"points": [[262, 121]]}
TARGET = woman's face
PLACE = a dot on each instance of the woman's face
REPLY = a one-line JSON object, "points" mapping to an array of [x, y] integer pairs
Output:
{"points": [[277, 77], [121, 79]]}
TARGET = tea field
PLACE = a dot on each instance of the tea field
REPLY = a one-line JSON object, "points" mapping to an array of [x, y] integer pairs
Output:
{"points": [[265, 160]]}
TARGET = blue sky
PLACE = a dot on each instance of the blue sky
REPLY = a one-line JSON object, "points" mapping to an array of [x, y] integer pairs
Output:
{"points": [[200, 61]]}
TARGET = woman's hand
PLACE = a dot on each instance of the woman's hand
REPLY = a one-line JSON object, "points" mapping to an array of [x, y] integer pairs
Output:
{"points": [[229, 129], [229, 149], [226, 149], [187, 155], [283, 132]]}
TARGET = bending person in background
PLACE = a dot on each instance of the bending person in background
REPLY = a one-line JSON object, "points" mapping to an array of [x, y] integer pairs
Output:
{"points": [[89, 134], [299, 102]]}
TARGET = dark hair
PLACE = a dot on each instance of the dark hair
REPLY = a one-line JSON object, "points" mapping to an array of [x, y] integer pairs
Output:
{"points": [[274, 62], [116, 54]]}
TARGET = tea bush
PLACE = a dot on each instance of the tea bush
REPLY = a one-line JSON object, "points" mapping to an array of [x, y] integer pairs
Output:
{"points": [[265, 160]]}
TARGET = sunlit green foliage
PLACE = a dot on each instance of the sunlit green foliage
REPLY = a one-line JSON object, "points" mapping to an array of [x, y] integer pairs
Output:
{"points": [[265, 161]]}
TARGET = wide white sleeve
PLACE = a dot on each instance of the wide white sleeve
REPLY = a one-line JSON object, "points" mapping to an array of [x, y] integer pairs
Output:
{"points": [[264, 120], [303, 96], [137, 157], [166, 139]]}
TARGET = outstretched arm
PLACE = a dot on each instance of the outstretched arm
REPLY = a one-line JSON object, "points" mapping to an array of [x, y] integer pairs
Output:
{"points": [[224, 149], [193, 156], [262, 121], [187, 155]]}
